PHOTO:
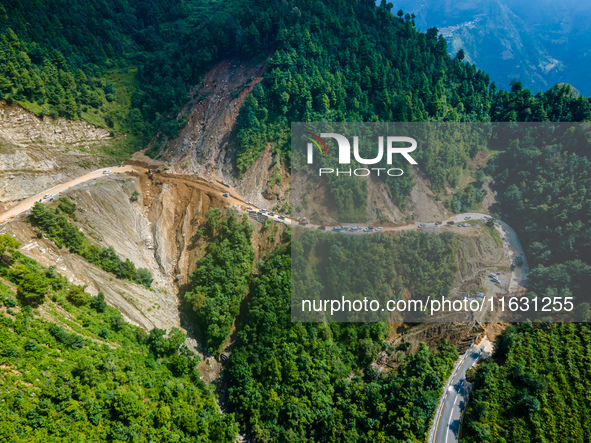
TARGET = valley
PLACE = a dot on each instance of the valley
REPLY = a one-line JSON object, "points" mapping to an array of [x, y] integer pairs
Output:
{"points": [[158, 231], [507, 40], [150, 248]]}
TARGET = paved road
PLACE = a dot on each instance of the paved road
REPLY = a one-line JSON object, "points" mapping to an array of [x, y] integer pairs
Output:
{"points": [[449, 416], [28, 203], [456, 394]]}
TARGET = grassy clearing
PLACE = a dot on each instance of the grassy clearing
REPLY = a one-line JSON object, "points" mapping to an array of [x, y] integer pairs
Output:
{"points": [[33, 107]]}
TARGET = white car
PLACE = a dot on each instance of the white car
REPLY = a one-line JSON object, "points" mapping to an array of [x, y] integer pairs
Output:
{"points": [[467, 217], [107, 172], [379, 228], [249, 208], [47, 196]]}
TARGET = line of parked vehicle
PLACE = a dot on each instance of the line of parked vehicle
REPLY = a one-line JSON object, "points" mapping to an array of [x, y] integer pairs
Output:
{"points": [[352, 228], [265, 212], [251, 210], [304, 222], [452, 222], [494, 277]]}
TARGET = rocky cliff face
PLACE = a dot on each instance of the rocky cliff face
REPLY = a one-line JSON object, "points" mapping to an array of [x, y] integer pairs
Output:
{"points": [[207, 144], [37, 154], [23, 128]]}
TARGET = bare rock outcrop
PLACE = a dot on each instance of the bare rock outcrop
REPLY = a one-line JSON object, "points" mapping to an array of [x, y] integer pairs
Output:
{"points": [[37, 154], [23, 128]]}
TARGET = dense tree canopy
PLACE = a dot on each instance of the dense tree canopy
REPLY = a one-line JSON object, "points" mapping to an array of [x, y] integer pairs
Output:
{"points": [[130, 65], [123, 64], [291, 381], [546, 183], [539, 393], [222, 276], [79, 372]]}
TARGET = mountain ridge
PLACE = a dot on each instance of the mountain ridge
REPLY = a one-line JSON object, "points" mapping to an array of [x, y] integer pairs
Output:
{"points": [[540, 45]]}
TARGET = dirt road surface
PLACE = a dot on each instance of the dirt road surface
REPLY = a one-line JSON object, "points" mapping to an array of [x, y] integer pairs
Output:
{"points": [[511, 242], [28, 203], [450, 412]]}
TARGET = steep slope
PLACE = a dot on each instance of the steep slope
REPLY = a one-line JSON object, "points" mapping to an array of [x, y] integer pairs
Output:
{"points": [[208, 143], [106, 215], [72, 352], [158, 232]]}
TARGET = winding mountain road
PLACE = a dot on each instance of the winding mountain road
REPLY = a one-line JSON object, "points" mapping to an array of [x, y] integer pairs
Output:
{"points": [[511, 244], [449, 414], [454, 399]]}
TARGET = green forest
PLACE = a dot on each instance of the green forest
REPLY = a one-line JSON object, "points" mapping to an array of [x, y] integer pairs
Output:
{"points": [[78, 372], [127, 66], [350, 61], [379, 267], [535, 388], [546, 183], [132, 70], [222, 276], [291, 381], [286, 381]]}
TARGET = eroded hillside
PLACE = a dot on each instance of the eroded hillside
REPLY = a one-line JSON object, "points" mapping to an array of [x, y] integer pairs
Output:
{"points": [[157, 231], [208, 143], [36, 154], [158, 228]]}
